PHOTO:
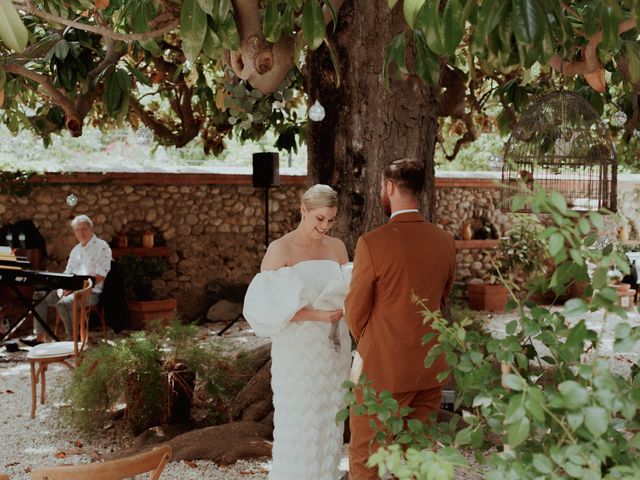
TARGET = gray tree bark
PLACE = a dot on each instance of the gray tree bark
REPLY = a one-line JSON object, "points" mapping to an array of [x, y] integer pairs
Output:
{"points": [[366, 124]]}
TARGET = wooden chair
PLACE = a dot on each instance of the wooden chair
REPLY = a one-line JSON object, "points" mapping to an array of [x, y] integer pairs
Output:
{"points": [[40, 356], [93, 308], [152, 462]]}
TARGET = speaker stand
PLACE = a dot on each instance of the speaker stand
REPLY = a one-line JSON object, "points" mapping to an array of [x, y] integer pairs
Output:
{"points": [[266, 216]]}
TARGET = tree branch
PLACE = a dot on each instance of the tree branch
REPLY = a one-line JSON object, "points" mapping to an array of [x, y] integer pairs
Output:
{"points": [[591, 62], [171, 23], [73, 119]]}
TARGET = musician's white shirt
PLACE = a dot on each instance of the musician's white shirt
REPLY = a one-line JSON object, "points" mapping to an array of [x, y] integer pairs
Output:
{"points": [[92, 259]]}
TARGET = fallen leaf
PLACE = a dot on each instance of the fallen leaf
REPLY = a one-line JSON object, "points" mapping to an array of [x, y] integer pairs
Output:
{"points": [[9, 391], [61, 455], [78, 443], [27, 470], [11, 464], [191, 464], [101, 4]]}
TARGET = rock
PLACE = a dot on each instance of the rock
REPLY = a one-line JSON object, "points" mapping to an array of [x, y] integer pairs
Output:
{"points": [[223, 311]]}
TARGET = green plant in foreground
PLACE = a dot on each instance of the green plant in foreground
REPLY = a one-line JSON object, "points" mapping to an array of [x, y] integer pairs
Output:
{"points": [[541, 402], [134, 373]]}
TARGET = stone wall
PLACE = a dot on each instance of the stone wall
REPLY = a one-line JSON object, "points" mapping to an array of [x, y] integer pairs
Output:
{"points": [[214, 224]]}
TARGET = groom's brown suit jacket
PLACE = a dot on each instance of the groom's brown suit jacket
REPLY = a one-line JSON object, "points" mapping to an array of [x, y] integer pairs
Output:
{"points": [[407, 255]]}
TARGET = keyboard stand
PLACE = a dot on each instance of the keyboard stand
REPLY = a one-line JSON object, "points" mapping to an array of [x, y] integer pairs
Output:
{"points": [[30, 305]]}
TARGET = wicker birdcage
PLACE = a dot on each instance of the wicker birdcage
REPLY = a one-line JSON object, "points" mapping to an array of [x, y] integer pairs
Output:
{"points": [[561, 144]]}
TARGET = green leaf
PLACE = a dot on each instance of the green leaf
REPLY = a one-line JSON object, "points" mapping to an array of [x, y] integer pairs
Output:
{"points": [[452, 26], [575, 306], [584, 226], [334, 61], [518, 432], [193, 29], [392, 3], [429, 19], [13, 33], [141, 77], [542, 463], [395, 54], [463, 437], [206, 6], [334, 14], [635, 442], [596, 419], [513, 381], [151, 46], [490, 15], [597, 220], [517, 203], [410, 9], [313, 26], [222, 12], [61, 50], [529, 23], [556, 244], [482, 400], [574, 394], [558, 201], [272, 26], [610, 22], [599, 279], [342, 415], [633, 56], [427, 63]]}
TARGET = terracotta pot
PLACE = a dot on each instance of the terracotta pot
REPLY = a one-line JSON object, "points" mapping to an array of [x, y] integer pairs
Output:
{"points": [[143, 312], [486, 296]]}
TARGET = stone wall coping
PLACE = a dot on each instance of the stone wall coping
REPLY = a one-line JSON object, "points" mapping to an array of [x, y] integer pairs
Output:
{"points": [[242, 176]]}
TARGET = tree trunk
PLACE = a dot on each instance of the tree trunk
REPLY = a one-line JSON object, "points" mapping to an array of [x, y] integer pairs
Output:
{"points": [[367, 125]]}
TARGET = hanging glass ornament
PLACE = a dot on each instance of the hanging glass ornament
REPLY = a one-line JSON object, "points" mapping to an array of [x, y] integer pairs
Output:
{"points": [[72, 200], [495, 162], [619, 118], [144, 136], [316, 112]]}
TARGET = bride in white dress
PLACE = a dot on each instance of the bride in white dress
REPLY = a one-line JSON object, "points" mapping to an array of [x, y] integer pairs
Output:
{"points": [[297, 301]]}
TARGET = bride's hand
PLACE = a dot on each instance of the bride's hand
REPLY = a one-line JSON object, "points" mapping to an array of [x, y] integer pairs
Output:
{"points": [[309, 314]]}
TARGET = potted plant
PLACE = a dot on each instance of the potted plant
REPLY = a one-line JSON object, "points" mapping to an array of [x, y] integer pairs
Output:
{"points": [[144, 306], [519, 256], [154, 374]]}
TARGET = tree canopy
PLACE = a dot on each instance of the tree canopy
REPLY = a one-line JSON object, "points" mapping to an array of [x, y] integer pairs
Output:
{"points": [[214, 68]]}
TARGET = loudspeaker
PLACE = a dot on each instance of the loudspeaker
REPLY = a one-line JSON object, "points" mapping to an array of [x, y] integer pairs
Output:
{"points": [[266, 169]]}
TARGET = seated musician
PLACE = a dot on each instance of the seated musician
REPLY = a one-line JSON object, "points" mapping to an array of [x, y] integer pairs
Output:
{"points": [[91, 256]]}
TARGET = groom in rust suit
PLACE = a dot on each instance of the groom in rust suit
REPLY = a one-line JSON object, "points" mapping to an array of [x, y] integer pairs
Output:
{"points": [[406, 255]]}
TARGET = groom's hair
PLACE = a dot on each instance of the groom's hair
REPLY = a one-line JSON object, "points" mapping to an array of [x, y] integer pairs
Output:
{"points": [[407, 174]]}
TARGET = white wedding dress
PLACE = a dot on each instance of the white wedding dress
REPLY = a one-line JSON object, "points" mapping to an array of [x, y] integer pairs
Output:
{"points": [[308, 367]]}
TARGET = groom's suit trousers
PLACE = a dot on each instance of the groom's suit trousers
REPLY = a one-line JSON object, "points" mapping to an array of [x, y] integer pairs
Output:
{"points": [[424, 402]]}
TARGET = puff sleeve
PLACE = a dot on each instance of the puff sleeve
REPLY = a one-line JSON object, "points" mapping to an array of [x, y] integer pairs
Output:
{"points": [[272, 299]]}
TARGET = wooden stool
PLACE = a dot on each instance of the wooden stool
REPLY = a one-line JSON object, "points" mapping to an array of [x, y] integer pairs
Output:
{"points": [[93, 308]]}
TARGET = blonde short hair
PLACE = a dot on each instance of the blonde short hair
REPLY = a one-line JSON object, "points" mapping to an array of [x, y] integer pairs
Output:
{"points": [[318, 196]]}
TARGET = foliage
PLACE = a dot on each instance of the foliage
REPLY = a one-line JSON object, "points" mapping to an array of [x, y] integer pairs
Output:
{"points": [[174, 66], [138, 274], [16, 182], [135, 372], [521, 255], [543, 392]]}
